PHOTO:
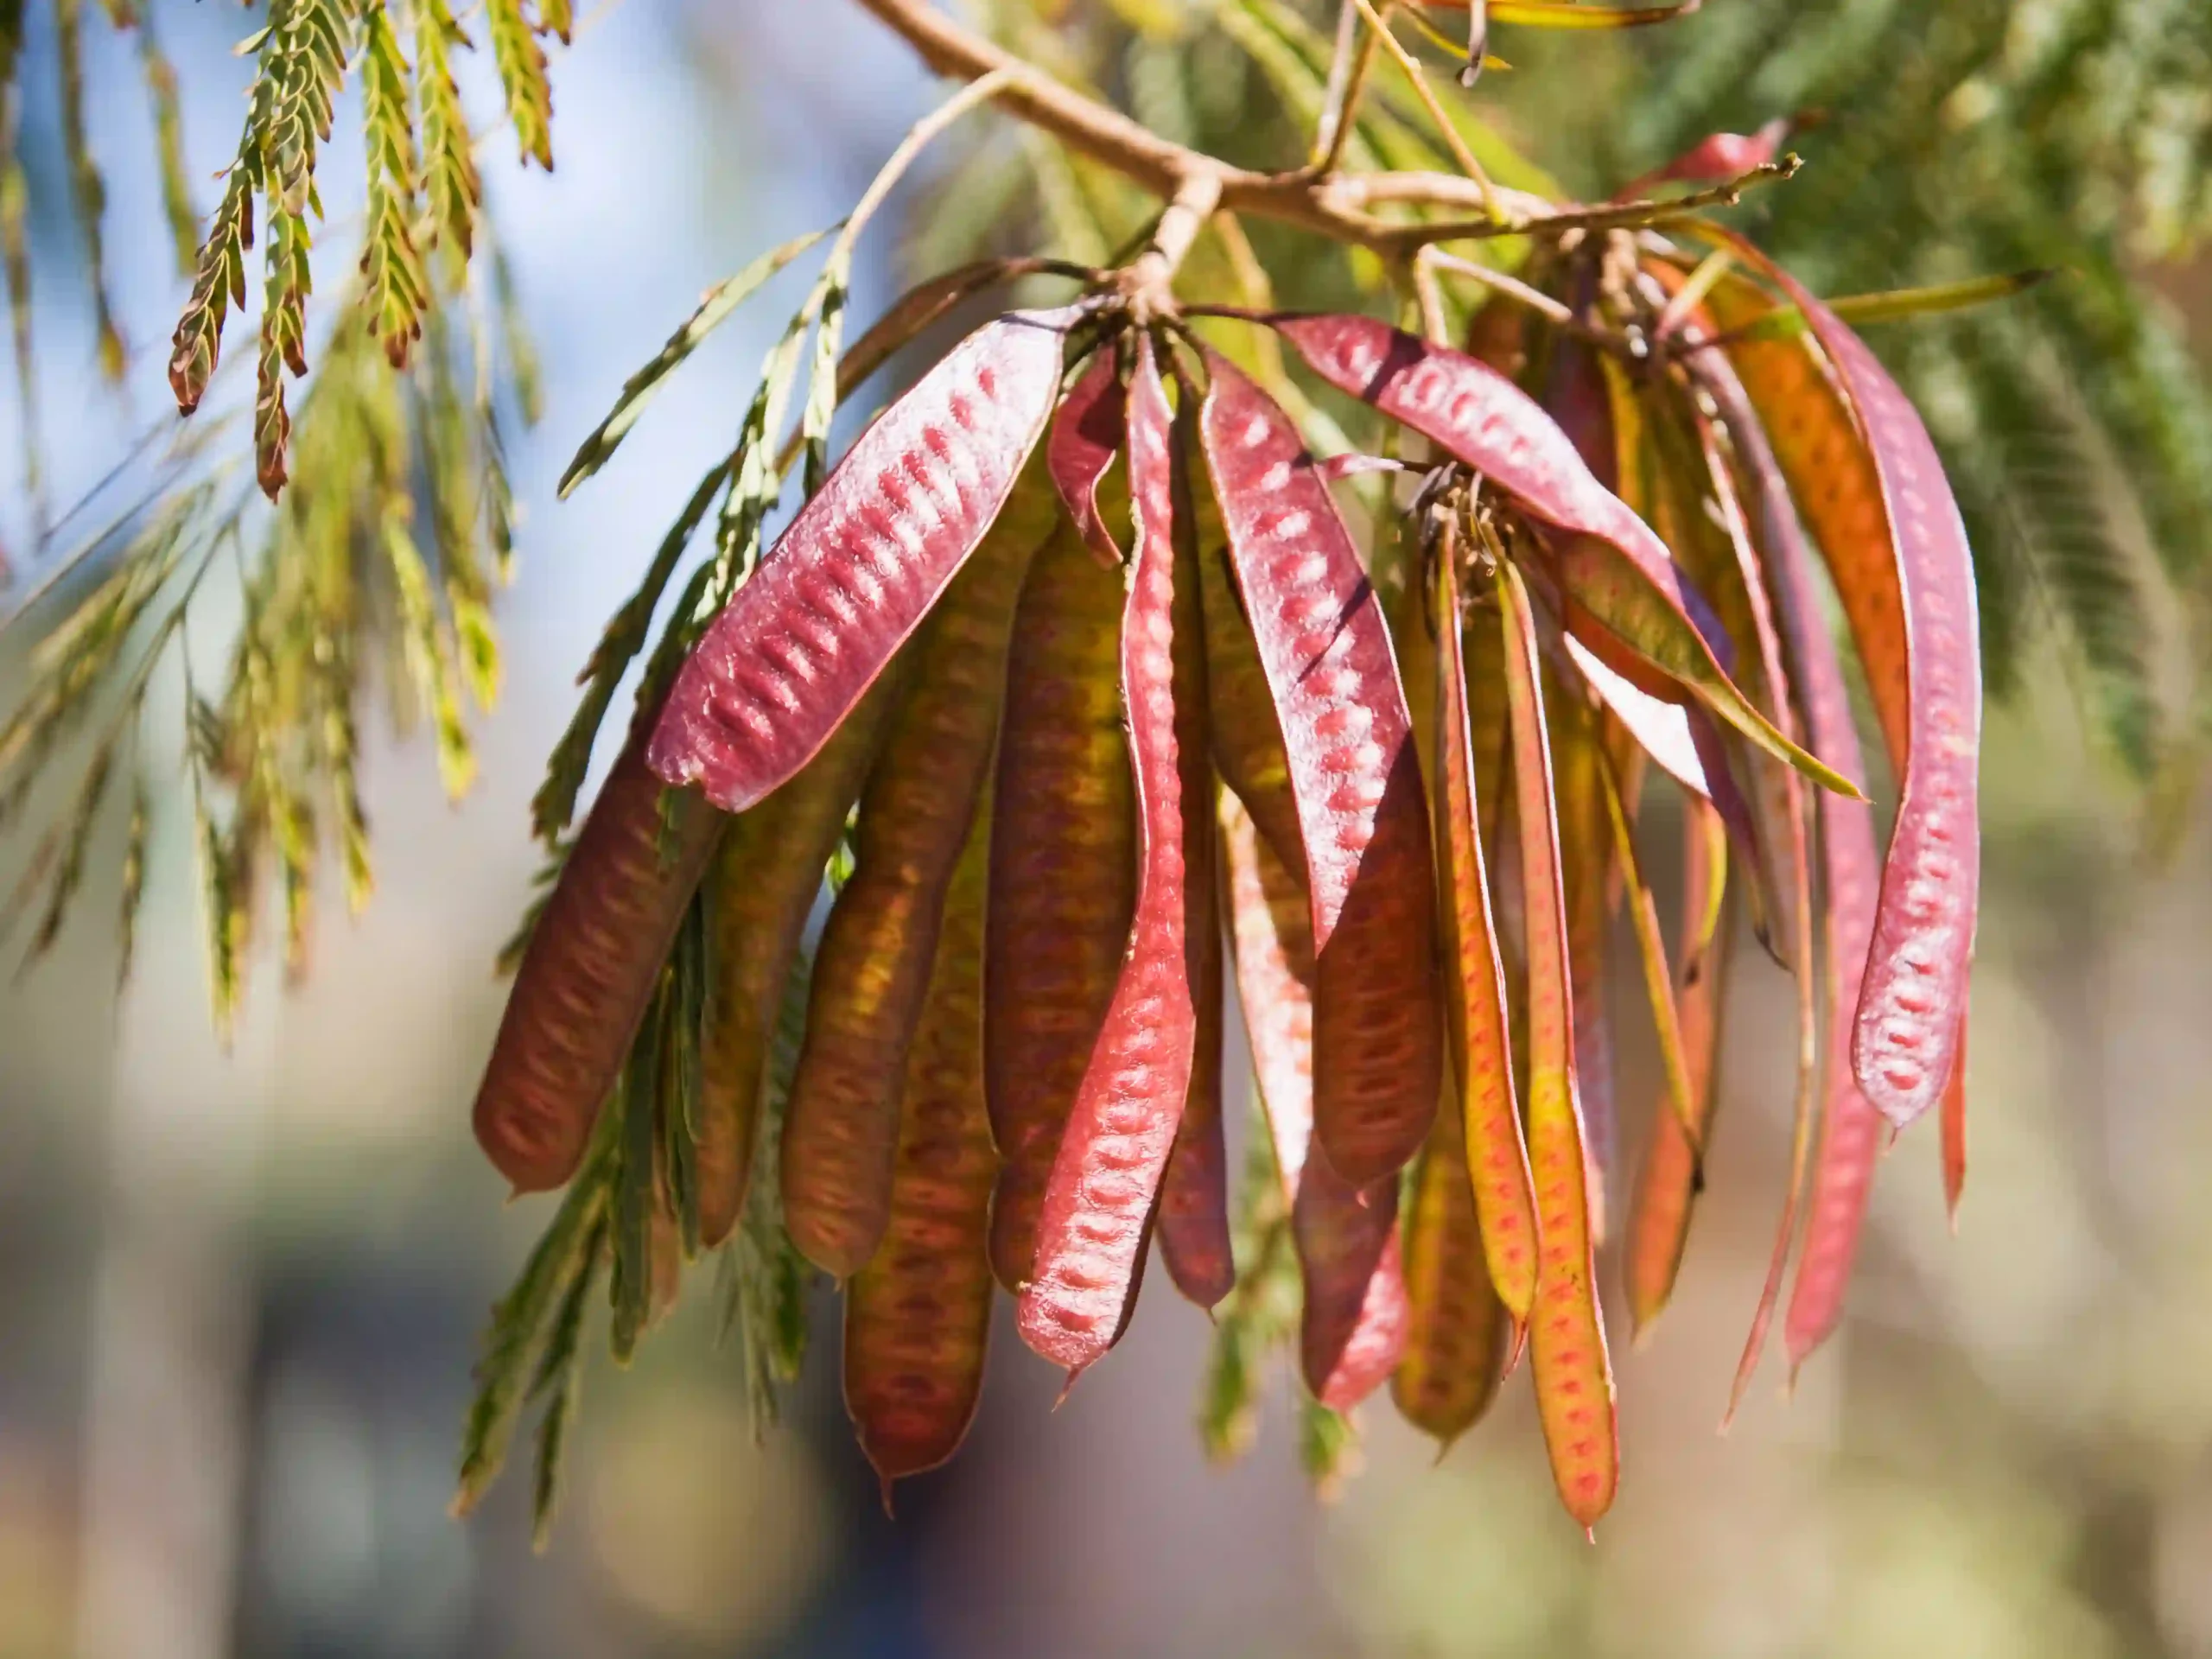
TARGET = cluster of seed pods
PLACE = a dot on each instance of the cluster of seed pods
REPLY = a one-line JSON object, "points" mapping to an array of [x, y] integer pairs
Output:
{"points": [[1077, 654]]}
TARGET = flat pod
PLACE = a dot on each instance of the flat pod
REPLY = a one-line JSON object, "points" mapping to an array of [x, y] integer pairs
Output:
{"points": [[1573, 1374], [1609, 562], [1092, 1230], [759, 891], [1353, 1318], [1489, 1115], [1356, 781], [918, 1317], [1193, 1219], [588, 973], [1064, 865], [1246, 736], [872, 967], [1905, 1035], [862, 564]]}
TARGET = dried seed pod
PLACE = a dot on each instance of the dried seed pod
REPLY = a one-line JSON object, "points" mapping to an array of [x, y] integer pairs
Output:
{"points": [[1092, 1229], [918, 1317], [1954, 1125], [1086, 435], [1193, 1220], [1456, 1339], [761, 887], [1482, 1062], [588, 973], [872, 968], [1908, 595], [1573, 1375], [1063, 876], [1609, 562], [862, 564], [1667, 1187], [1323, 641], [1589, 882], [1353, 1321], [1850, 1127]]}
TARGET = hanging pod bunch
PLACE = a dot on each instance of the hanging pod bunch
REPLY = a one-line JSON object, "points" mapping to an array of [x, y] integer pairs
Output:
{"points": [[1073, 688]]}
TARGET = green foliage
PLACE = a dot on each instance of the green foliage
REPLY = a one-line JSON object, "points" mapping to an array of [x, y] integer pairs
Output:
{"points": [[1984, 137]]}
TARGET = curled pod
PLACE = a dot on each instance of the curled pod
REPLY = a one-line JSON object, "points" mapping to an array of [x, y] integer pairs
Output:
{"points": [[588, 972], [862, 562], [1355, 777], [1096, 1218], [760, 890], [1456, 1327], [871, 970], [1906, 579], [1567, 1335], [1353, 1318], [1610, 566], [1086, 435], [918, 1317], [1193, 1219], [1064, 865]]}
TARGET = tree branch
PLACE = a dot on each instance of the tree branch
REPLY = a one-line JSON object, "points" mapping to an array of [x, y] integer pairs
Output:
{"points": [[1334, 206]]}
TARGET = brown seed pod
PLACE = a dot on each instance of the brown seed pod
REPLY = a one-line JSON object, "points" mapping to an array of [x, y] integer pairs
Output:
{"points": [[762, 885], [872, 969], [1457, 1329], [918, 1317], [1064, 859], [589, 970]]}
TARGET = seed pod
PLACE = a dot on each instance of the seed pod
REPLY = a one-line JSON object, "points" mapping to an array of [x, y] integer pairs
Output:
{"points": [[1589, 882], [1850, 1136], [1193, 1220], [1491, 1147], [1091, 1230], [862, 564], [1085, 437], [1574, 1379], [1609, 562], [1352, 1324], [1667, 1188], [759, 891], [918, 1317], [873, 965], [1246, 736], [1908, 595], [1456, 1327], [1323, 641], [1063, 876], [588, 972]]}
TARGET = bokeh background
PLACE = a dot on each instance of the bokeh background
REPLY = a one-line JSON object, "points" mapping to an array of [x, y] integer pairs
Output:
{"points": [[240, 1293]]}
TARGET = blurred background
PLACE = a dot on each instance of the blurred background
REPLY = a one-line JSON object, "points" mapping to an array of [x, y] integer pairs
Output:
{"points": [[240, 1293]]}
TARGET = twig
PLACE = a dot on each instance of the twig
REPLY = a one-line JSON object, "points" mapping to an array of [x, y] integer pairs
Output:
{"points": [[1378, 26], [1334, 206], [1340, 102]]}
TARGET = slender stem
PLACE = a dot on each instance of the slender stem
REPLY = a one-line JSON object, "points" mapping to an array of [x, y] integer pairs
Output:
{"points": [[1148, 283], [1379, 28], [1512, 288], [1347, 78]]}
